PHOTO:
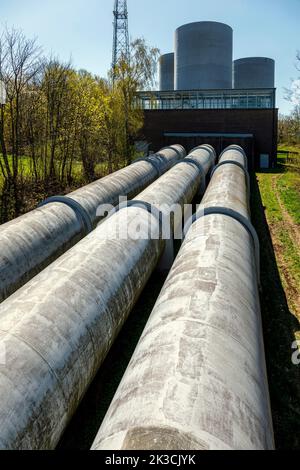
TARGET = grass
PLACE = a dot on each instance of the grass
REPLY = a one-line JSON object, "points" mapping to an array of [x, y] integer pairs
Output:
{"points": [[289, 189], [289, 147], [276, 215], [289, 161], [35, 191], [280, 194], [25, 167], [100, 169]]}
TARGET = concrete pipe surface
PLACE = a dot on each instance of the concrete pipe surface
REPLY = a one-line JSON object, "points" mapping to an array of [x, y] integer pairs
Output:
{"points": [[57, 329], [197, 379], [31, 242]]}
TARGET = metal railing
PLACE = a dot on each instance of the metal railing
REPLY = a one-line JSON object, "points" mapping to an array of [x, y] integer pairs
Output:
{"points": [[207, 99]]}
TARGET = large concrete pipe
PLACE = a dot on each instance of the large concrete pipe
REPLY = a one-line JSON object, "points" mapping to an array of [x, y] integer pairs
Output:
{"points": [[30, 242], [58, 328], [197, 379]]}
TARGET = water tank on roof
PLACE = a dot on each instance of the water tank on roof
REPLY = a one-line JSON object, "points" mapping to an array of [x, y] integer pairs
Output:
{"points": [[203, 56], [166, 72], [254, 72]]}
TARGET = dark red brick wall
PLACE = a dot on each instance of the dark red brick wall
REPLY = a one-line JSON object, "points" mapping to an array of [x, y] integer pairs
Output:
{"points": [[262, 123]]}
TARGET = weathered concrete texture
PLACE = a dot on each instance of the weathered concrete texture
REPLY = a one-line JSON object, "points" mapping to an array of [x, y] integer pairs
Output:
{"points": [[166, 191], [166, 72], [228, 187], [254, 72], [203, 56], [30, 242], [197, 379], [58, 328]]}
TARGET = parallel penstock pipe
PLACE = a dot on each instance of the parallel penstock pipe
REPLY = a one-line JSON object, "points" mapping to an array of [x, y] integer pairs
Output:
{"points": [[197, 379], [31, 242], [57, 329]]}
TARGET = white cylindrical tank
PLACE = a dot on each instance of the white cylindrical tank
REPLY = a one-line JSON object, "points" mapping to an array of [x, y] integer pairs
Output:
{"points": [[203, 56], [166, 72], [254, 72]]}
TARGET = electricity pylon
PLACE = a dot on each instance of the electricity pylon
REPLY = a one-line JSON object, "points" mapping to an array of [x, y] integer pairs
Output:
{"points": [[121, 34]]}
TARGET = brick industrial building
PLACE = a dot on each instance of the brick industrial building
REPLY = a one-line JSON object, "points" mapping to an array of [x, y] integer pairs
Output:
{"points": [[248, 118], [206, 96]]}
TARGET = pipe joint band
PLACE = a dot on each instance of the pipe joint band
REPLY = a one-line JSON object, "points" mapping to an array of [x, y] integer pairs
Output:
{"points": [[142, 205], [206, 147], [155, 164], [236, 216], [80, 212], [174, 149], [239, 149]]}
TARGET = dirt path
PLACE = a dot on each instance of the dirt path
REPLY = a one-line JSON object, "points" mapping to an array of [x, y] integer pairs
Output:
{"points": [[291, 226], [292, 288]]}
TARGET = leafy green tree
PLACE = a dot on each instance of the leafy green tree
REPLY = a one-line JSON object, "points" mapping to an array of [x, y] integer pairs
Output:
{"points": [[130, 77], [289, 126], [60, 123]]}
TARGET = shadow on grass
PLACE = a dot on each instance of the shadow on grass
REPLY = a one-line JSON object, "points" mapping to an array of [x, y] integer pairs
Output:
{"points": [[280, 327], [274, 171], [87, 420]]}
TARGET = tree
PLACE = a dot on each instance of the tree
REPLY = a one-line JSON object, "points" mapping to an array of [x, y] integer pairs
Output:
{"points": [[289, 126], [93, 103], [54, 87], [293, 93], [57, 119], [20, 62], [131, 77]]}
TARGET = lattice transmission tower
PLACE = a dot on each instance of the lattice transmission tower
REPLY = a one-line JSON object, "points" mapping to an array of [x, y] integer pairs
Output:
{"points": [[121, 34]]}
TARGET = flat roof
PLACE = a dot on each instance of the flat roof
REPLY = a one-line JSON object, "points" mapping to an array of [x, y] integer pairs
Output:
{"points": [[206, 90], [207, 134]]}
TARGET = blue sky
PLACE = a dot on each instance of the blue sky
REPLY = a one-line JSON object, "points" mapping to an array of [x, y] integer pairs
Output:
{"points": [[82, 29]]}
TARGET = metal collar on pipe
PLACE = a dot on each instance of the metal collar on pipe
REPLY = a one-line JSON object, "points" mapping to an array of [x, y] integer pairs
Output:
{"points": [[152, 162], [34, 240], [236, 216], [71, 313], [78, 209], [172, 147], [150, 208], [207, 146], [239, 149]]}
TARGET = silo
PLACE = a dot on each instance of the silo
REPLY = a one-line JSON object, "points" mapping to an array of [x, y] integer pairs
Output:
{"points": [[203, 56], [166, 72], [254, 72]]}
